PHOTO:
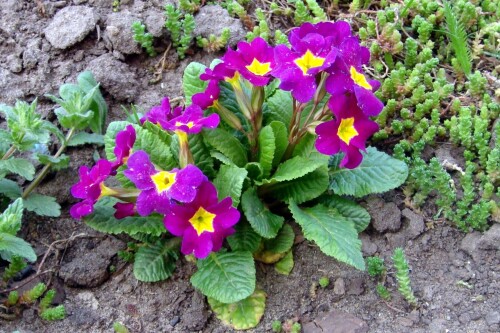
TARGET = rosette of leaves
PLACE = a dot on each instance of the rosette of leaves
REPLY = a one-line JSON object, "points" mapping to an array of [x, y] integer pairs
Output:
{"points": [[266, 182]]}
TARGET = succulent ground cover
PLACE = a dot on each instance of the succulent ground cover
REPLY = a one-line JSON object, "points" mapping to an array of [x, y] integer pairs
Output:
{"points": [[437, 63]]}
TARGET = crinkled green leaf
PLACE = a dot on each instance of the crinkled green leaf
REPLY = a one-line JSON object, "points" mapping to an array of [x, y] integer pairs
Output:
{"points": [[255, 171], [156, 142], [349, 209], [267, 146], [103, 220], [333, 233], [306, 148], [241, 315], [229, 182], [11, 246], [282, 242], [278, 107], [10, 189], [57, 163], [245, 238], [302, 189], [83, 138], [221, 158], [262, 220], [227, 277], [227, 144], [377, 173], [201, 154], [155, 262], [42, 205], [11, 218], [191, 82], [19, 166], [271, 88], [285, 265], [294, 168], [87, 82], [281, 141]]}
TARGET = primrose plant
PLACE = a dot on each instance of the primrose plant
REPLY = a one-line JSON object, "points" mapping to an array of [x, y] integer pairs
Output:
{"points": [[269, 137]]}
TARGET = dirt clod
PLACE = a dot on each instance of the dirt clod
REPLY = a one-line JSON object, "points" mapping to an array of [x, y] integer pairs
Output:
{"points": [[386, 216], [70, 25]]}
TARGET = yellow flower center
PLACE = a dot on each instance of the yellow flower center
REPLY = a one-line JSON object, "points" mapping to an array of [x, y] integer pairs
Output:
{"points": [[106, 191], [189, 125], [234, 81], [259, 68], [202, 221], [163, 180], [308, 61], [359, 79], [346, 130]]}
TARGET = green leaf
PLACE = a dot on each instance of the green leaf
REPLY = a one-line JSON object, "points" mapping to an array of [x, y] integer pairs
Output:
{"points": [[285, 265], [10, 189], [255, 171], [191, 81], [283, 241], [98, 105], [103, 220], [19, 166], [221, 158], [227, 277], [156, 142], [271, 88], [42, 205], [11, 246], [57, 163], [267, 147], [262, 220], [155, 262], [301, 189], [349, 210], [334, 234], [11, 218], [278, 107], [377, 173], [241, 315], [229, 182], [245, 238], [294, 168], [227, 144], [281, 141], [201, 154], [83, 138], [307, 149]]}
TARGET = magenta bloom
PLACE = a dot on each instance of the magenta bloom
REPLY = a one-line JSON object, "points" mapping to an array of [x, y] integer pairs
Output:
{"points": [[207, 98], [90, 188], [254, 61], [159, 188], [348, 132], [346, 77], [220, 72], [160, 114], [314, 49], [191, 121], [204, 223], [124, 209], [124, 142]]}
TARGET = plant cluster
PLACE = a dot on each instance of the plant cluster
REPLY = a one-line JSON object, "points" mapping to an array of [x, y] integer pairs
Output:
{"points": [[181, 26], [144, 38], [245, 152]]}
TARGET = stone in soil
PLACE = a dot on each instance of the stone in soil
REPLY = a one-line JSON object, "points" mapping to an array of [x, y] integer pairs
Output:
{"points": [[339, 287], [70, 25], [115, 77], [415, 223], [90, 268], [119, 33], [155, 21], [213, 19], [336, 322], [386, 216], [490, 239]]}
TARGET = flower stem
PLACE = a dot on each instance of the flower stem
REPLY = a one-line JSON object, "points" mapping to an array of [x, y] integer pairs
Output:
{"points": [[41, 175], [9, 152]]}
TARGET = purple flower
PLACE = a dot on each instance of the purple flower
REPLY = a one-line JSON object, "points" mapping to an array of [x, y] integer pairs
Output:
{"points": [[124, 209], [124, 142], [314, 49], [348, 132], [220, 72], [209, 97], [159, 188], [161, 113], [203, 223], [346, 77], [90, 188], [254, 61], [191, 121]]}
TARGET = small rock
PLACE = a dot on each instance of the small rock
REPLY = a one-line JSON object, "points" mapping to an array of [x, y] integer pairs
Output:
{"points": [[90, 268], [213, 19], [386, 216], [356, 286], [336, 322], [368, 247], [470, 242], [155, 21], [415, 224], [196, 316], [490, 239], [87, 299], [70, 25], [14, 63], [492, 317], [115, 77], [174, 321], [119, 33], [32, 53], [339, 287]]}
